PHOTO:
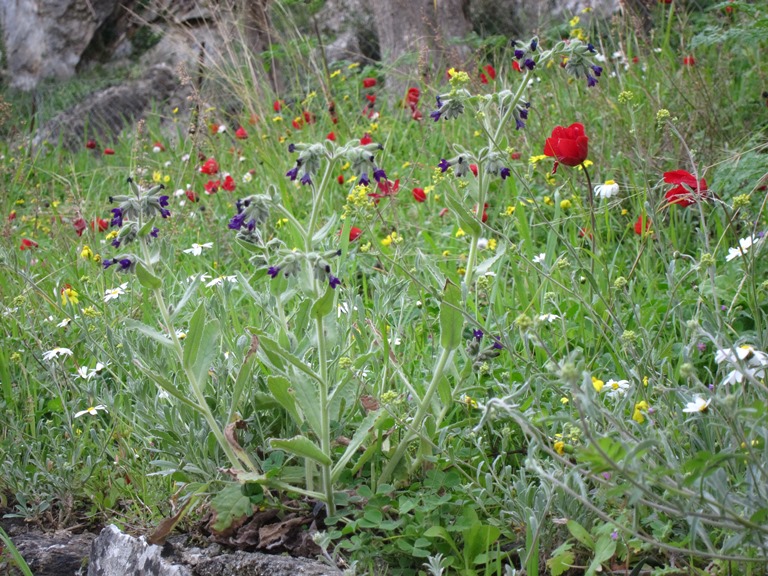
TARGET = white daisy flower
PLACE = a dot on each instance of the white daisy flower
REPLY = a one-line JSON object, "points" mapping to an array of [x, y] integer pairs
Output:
{"points": [[56, 352], [538, 259], [698, 405], [247, 177], [744, 245], [548, 317], [607, 190], [185, 158], [180, 334], [114, 293], [92, 410], [220, 280], [64, 323], [222, 128], [197, 249], [482, 243], [179, 192], [616, 388]]}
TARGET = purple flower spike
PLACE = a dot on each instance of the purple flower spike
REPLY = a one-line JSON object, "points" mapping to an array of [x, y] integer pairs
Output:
{"points": [[435, 115], [478, 334], [591, 48], [125, 263], [107, 263], [519, 124], [497, 345], [534, 44], [519, 53], [163, 201], [251, 225], [523, 113], [378, 174], [597, 69], [591, 81], [117, 220], [116, 243], [439, 102], [504, 173], [529, 63], [364, 181], [291, 147], [333, 281], [293, 173], [237, 221], [444, 165], [273, 271], [154, 232], [306, 179], [165, 213]]}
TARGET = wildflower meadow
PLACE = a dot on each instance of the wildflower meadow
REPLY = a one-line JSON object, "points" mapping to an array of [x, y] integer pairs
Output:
{"points": [[512, 321]]}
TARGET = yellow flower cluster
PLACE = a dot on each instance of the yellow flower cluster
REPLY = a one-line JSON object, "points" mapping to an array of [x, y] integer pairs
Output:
{"points": [[392, 238]]}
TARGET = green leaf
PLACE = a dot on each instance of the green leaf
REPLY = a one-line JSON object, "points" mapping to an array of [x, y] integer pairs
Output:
{"points": [[308, 400], [440, 532], [451, 318], [200, 346], [229, 505], [156, 335], [361, 434], [324, 305], [303, 447], [190, 290], [280, 388], [166, 385], [485, 265], [562, 559], [467, 221], [146, 278], [147, 228], [604, 551], [580, 533], [321, 234], [478, 540], [276, 355]]}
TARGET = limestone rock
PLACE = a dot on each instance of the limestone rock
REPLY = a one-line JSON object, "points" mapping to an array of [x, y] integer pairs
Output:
{"points": [[104, 114], [57, 554], [46, 38], [116, 554]]}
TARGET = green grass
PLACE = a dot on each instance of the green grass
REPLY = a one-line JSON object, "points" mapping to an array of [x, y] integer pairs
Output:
{"points": [[519, 444]]}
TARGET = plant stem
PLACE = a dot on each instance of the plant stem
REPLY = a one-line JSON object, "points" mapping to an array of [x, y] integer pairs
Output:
{"points": [[421, 412], [325, 418]]}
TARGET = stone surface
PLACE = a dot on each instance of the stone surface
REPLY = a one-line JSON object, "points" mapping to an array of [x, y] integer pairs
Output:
{"points": [[104, 114], [57, 554], [46, 38], [116, 554]]}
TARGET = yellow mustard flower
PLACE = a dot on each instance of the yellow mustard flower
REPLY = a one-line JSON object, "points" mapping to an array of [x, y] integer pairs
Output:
{"points": [[637, 414], [597, 384]]}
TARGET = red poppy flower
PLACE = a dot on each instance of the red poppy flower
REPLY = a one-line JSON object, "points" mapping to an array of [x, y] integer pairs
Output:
{"points": [[309, 118], [369, 82], [12, 216], [212, 186], [297, 123], [354, 233], [214, 127], [109, 151], [490, 72], [689, 61], [416, 114], [91, 144], [79, 225], [228, 184], [688, 191], [639, 224], [99, 224], [27, 244], [340, 179], [210, 167], [277, 105], [515, 156], [483, 79], [331, 136], [473, 167], [366, 139], [516, 66], [192, 196], [371, 98], [568, 146], [412, 98], [241, 134], [419, 195]]}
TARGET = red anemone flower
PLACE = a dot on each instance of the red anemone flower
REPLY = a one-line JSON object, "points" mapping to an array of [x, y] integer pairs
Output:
{"points": [[210, 167], [369, 82], [340, 179], [689, 61], [27, 244], [241, 134], [412, 98], [490, 72], [516, 66], [473, 168], [99, 224], [80, 225], [387, 188], [419, 195], [366, 139], [109, 151], [91, 144], [331, 136], [211, 187], [688, 191], [568, 146], [277, 105], [192, 196], [354, 233]]}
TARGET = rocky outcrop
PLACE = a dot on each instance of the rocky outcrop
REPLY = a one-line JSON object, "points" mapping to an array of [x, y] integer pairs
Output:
{"points": [[104, 114], [47, 38], [116, 554]]}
